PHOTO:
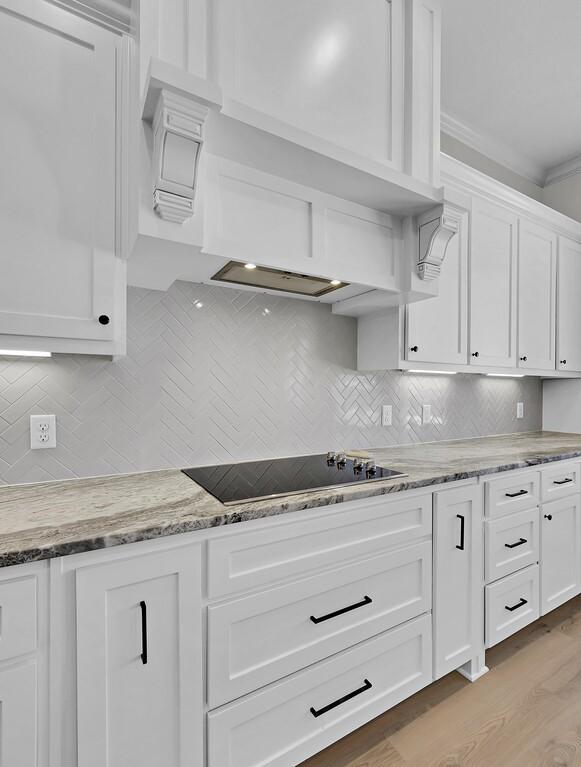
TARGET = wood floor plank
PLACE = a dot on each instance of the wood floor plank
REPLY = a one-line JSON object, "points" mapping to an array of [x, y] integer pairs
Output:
{"points": [[525, 713]]}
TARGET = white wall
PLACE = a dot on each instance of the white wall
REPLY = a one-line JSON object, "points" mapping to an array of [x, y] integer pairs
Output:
{"points": [[562, 405], [480, 162], [565, 196]]}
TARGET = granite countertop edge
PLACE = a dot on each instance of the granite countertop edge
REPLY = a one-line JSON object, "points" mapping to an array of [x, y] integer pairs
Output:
{"points": [[27, 552]]}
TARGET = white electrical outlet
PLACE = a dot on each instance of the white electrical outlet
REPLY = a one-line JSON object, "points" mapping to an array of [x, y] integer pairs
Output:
{"points": [[520, 409], [386, 415], [426, 414], [42, 431]]}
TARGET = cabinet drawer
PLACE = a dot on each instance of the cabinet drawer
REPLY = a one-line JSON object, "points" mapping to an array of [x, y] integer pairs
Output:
{"points": [[260, 557], [515, 493], [559, 481], [289, 721], [260, 638], [512, 542], [17, 617], [511, 604]]}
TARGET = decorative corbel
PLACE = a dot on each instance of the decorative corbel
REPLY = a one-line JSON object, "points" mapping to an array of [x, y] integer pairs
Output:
{"points": [[178, 137], [435, 230]]}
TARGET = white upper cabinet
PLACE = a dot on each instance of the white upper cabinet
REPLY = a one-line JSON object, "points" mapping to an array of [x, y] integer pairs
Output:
{"points": [[436, 329], [493, 285], [537, 270], [569, 306], [61, 286]]}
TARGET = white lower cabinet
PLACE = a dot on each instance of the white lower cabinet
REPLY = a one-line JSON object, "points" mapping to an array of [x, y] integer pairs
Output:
{"points": [[511, 543], [511, 604], [260, 638], [560, 552], [458, 577], [290, 720], [139, 661], [18, 720]]}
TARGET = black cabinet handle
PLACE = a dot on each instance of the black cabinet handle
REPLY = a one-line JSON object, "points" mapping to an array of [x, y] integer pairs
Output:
{"points": [[562, 362], [521, 603], [516, 495], [366, 686], [104, 319], [143, 632], [514, 545], [462, 523], [414, 348], [476, 354], [562, 481], [523, 359], [549, 517], [365, 601]]}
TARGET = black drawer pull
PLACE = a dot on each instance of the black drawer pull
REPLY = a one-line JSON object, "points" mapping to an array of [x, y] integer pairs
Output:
{"points": [[520, 603], [462, 523], [143, 632], [562, 481], [514, 545], [365, 601], [516, 495], [344, 699]]}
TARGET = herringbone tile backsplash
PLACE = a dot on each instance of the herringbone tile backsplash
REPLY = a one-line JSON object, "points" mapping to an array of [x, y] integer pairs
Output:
{"points": [[214, 374]]}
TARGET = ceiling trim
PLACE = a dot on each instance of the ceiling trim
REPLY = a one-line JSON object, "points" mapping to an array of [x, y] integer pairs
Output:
{"points": [[493, 149], [563, 171]]}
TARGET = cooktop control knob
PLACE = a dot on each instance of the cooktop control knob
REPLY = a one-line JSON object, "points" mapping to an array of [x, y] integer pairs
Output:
{"points": [[341, 460], [331, 458], [370, 467]]}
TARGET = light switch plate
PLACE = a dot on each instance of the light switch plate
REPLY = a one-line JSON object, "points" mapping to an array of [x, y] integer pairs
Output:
{"points": [[42, 431], [426, 414], [520, 409]]}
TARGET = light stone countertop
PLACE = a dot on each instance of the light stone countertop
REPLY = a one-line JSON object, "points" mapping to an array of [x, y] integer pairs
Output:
{"points": [[50, 519]]}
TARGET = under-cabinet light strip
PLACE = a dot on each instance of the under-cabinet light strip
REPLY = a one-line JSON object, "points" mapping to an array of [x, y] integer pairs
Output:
{"points": [[434, 372], [23, 353]]}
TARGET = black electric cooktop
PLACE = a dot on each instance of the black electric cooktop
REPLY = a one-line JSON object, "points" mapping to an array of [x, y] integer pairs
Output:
{"points": [[256, 480]]}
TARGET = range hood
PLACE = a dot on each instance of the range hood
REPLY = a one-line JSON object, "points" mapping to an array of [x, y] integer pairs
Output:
{"points": [[262, 277]]}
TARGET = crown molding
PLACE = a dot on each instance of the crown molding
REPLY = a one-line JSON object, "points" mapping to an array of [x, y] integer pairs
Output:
{"points": [[493, 149], [563, 171], [457, 175]]}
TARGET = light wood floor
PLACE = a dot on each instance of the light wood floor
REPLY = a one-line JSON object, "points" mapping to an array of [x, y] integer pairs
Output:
{"points": [[525, 713]]}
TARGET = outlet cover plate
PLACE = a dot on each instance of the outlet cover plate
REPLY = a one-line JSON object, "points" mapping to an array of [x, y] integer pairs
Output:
{"points": [[386, 415], [42, 432]]}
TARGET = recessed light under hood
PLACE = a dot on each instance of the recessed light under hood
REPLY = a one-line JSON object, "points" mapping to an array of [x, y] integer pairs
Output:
{"points": [[277, 279]]}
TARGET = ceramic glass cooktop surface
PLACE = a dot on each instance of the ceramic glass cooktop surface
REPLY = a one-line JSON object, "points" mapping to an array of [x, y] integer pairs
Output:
{"points": [[255, 480]]}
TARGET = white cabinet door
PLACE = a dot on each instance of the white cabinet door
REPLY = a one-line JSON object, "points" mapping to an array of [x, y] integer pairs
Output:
{"points": [[493, 271], [436, 329], [60, 278], [18, 726], [458, 605], [560, 552], [569, 306], [537, 271], [139, 660]]}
